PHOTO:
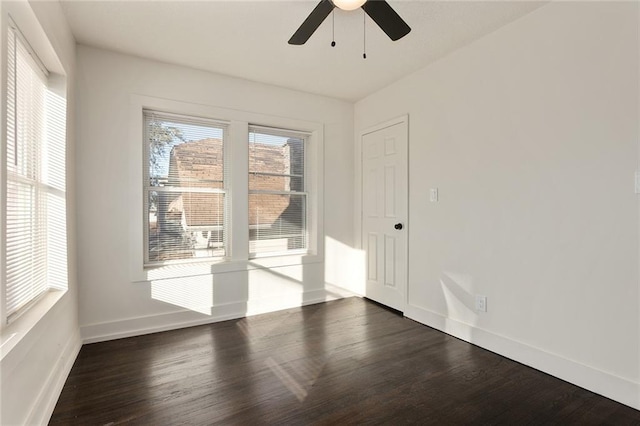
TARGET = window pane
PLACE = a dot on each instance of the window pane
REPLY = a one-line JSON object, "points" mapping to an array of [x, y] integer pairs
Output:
{"points": [[26, 267], [184, 153], [262, 182], [277, 202], [277, 223], [276, 163], [185, 225], [185, 175]]}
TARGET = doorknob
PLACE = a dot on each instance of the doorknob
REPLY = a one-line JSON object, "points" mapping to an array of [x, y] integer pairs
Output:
{"points": [[398, 226]]}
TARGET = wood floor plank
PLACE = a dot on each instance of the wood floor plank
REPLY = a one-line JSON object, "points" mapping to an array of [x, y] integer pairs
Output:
{"points": [[348, 361]]}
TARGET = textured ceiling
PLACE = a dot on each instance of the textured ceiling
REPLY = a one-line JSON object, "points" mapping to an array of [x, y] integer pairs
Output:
{"points": [[248, 39]]}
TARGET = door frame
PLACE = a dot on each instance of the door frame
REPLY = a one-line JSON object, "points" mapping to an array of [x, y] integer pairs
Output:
{"points": [[358, 201]]}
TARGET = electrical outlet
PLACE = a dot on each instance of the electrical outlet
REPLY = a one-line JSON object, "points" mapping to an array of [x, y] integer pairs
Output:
{"points": [[481, 303]]}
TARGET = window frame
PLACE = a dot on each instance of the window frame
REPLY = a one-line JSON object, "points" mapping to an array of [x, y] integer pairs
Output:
{"points": [[30, 179], [304, 136], [237, 258], [224, 126], [21, 19]]}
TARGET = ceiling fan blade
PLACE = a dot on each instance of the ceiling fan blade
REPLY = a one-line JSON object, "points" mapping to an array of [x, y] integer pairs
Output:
{"points": [[313, 21], [386, 18]]}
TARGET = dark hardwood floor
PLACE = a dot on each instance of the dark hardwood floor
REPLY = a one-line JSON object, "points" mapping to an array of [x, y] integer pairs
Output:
{"points": [[344, 362]]}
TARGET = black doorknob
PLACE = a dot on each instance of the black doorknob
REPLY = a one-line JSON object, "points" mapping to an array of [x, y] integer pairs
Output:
{"points": [[398, 226]]}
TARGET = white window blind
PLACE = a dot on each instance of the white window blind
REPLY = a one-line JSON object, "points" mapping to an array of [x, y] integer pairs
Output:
{"points": [[35, 210], [277, 197], [185, 196]]}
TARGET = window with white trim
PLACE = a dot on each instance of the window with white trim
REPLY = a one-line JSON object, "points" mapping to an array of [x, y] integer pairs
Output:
{"points": [[34, 243], [185, 188], [218, 193], [277, 197]]}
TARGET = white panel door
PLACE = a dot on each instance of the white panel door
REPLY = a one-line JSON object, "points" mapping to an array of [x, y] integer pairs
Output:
{"points": [[384, 213]]}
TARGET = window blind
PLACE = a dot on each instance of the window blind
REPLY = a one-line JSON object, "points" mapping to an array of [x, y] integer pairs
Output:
{"points": [[35, 182], [185, 196], [277, 197]]}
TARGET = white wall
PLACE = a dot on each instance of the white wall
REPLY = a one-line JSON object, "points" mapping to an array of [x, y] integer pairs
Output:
{"points": [[531, 135], [39, 348], [111, 304]]}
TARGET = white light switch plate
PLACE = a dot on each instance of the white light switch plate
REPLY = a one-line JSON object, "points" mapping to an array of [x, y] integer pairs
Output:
{"points": [[481, 303], [433, 195], [637, 182]]}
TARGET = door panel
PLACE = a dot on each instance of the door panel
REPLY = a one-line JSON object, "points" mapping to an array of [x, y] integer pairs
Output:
{"points": [[389, 191], [385, 204], [389, 261], [372, 258]]}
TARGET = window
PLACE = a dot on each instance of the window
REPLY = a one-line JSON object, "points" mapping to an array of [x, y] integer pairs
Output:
{"points": [[277, 197], [34, 213], [184, 190], [218, 194]]}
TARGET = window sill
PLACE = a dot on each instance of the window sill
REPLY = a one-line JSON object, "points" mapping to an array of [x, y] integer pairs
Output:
{"points": [[224, 266], [12, 334]]}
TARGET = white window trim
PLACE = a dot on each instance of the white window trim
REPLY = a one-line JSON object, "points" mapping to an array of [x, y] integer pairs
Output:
{"points": [[237, 155], [21, 14]]}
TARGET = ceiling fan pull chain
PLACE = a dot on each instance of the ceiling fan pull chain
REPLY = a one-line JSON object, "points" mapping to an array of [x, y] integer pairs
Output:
{"points": [[364, 34], [333, 28]]}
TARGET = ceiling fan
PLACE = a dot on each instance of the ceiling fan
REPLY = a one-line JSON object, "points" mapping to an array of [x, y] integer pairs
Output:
{"points": [[378, 10]]}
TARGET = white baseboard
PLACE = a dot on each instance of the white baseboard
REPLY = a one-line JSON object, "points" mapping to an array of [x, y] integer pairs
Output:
{"points": [[138, 326], [50, 392], [597, 381]]}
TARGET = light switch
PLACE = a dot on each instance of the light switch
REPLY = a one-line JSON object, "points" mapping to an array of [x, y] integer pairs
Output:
{"points": [[637, 182], [433, 195], [481, 303]]}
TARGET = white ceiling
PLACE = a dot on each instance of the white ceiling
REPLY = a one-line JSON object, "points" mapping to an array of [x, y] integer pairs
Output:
{"points": [[248, 39]]}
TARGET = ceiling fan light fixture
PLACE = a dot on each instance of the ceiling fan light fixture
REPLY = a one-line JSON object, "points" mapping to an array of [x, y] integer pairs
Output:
{"points": [[348, 4]]}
